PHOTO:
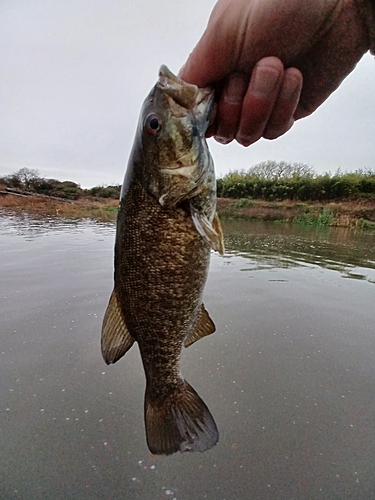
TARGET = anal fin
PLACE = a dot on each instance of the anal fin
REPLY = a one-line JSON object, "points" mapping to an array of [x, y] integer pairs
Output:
{"points": [[116, 339], [203, 326]]}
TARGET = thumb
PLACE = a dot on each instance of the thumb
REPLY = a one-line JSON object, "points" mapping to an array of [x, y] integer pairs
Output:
{"points": [[206, 64], [198, 69], [214, 56]]}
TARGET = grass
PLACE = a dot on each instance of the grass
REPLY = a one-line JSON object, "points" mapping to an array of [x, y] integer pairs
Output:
{"points": [[342, 214], [324, 218], [243, 202], [111, 209], [366, 224]]}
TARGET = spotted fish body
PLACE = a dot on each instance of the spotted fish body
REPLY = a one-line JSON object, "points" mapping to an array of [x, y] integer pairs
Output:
{"points": [[166, 227]]}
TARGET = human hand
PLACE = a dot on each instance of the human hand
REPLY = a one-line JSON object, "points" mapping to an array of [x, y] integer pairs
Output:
{"points": [[274, 62]]}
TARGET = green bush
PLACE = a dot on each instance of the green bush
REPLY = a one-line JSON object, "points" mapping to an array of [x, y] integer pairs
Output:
{"points": [[105, 191], [366, 224], [324, 218], [243, 202], [284, 181]]}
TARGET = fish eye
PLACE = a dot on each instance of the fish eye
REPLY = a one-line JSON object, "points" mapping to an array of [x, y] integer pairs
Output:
{"points": [[152, 124]]}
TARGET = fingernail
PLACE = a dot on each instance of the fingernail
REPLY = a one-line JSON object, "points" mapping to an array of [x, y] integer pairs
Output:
{"points": [[264, 81], [274, 133], [246, 141], [222, 140]]}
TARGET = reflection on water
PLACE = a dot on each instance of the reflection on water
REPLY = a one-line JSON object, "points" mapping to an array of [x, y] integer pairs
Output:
{"points": [[289, 374], [349, 251], [32, 225]]}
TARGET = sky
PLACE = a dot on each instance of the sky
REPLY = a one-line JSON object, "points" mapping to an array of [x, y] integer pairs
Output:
{"points": [[74, 74]]}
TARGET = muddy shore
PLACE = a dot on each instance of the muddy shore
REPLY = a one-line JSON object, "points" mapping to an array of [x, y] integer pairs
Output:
{"points": [[341, 214]]}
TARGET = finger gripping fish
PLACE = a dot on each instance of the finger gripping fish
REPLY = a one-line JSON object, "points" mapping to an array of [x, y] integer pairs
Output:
{"points": [[166, 227]]}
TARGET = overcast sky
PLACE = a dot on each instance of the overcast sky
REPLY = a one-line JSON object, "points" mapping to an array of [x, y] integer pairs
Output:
{"points": [[74, 74]]}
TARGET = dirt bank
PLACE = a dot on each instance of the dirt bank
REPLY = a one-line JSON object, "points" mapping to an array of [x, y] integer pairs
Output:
{"points": [[343, 214]]}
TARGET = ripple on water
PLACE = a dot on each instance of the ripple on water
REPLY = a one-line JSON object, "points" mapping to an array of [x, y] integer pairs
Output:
{"points": [[289, 374], [348, 251], [31, 225]]}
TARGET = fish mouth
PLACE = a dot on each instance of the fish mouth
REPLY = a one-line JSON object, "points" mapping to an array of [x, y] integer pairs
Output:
{"points": [[184, 94]]}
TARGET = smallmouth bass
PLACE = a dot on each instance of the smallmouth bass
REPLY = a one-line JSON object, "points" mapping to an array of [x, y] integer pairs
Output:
{"points": [[166, 227]]}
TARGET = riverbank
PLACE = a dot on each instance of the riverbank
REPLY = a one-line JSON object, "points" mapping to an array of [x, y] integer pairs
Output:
{"points": [[341, 214], [96, 208]]}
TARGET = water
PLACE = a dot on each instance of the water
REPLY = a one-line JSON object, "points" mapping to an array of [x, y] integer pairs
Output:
{"points": [[289, 374]]}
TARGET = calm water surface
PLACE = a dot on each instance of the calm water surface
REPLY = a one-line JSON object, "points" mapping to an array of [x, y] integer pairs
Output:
{"points": [[289, 374]]}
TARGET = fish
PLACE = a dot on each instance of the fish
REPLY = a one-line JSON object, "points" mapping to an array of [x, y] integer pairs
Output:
{"points": [[166, 227]]}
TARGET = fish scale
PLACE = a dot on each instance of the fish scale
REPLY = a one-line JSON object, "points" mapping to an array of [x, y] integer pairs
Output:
{"points": [[166, 227]]}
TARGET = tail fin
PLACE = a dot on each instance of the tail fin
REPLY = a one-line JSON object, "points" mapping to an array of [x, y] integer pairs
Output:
{"points": [[181, 422]]}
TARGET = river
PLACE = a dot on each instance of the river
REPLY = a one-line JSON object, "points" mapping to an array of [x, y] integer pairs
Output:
{"points": [[289, 374]]}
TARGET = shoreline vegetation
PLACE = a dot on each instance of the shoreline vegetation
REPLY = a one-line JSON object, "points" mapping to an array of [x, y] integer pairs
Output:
{"points": [[271, 191]]}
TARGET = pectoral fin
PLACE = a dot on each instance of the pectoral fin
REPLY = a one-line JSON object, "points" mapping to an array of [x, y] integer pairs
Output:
{"points": [[217, 227], [116, 339], [212, 233], [203, 326]]}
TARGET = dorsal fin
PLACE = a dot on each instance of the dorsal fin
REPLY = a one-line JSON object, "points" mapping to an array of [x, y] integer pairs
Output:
{"points": [[116, 339], [203, 326]]}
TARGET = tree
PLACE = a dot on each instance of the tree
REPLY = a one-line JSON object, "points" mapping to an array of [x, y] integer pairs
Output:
{"points": [[273, 170], [25, 177]]}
